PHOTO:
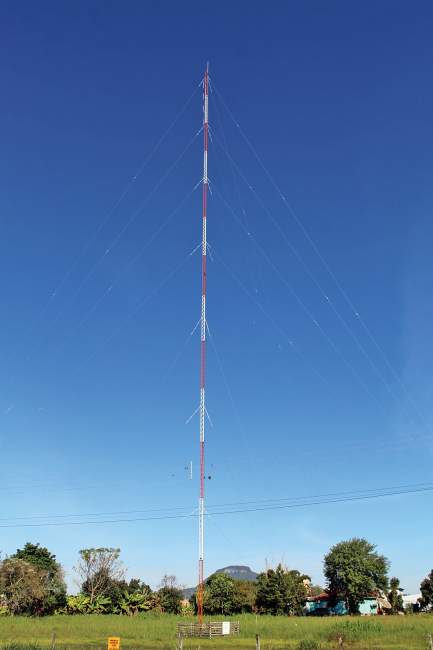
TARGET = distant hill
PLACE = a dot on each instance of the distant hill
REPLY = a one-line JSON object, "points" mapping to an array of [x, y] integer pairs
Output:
{"points": [[239, 572], [235, 571]]}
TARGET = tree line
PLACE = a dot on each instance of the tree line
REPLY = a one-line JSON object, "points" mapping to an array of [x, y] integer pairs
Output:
{"points": [[32, 583]]}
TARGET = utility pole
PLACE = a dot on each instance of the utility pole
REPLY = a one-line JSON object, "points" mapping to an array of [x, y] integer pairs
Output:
{"points": [[202, 410]]}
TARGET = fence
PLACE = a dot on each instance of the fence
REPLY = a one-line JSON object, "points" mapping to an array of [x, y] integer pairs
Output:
{"points": [[208, 630]]}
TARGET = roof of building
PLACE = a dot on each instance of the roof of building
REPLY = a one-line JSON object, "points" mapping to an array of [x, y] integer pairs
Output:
{"points": [[384, 603], [380, 597], [322, 596], [411, 598]]}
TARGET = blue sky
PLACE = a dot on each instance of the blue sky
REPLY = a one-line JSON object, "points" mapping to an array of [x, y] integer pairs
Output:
{"points": [[99, 372]]}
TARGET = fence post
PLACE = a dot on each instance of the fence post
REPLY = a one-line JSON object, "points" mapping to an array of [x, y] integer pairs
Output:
{"points": [[430, 641], [53, 640], [257, 642]]}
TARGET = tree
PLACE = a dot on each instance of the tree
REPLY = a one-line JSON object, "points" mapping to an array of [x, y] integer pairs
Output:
{"points": [[245, 596], [38, 556], [23, 586], [281, 591], [315, 590], [41, 558], [219, 594], [394, 596], [138, 586], [170, 595], [109, 588], [426, 588], [225, 595], [354, 570], [97, 569]]}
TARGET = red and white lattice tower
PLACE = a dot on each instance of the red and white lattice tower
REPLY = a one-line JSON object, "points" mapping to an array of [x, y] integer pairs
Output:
{"points": [[202, 409]]}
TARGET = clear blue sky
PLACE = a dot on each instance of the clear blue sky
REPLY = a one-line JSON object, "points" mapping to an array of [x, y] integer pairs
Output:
{"points": [[98, 371]]}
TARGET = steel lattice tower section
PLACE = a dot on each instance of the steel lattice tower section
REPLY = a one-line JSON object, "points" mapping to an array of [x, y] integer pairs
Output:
{"points": [[202, 409]]}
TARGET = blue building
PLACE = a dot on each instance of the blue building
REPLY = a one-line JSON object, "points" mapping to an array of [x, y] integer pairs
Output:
{"points": [[374, 605]]}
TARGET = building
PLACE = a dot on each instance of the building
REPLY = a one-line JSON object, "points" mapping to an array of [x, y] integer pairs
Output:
{"points": [[374, 605], [411, 599]]}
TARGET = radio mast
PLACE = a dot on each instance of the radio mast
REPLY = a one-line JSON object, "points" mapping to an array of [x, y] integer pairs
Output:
{"points": [[202, 409]]}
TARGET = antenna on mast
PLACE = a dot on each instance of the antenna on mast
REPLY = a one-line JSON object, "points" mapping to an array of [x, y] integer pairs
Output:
{"points": [[203, 345]]}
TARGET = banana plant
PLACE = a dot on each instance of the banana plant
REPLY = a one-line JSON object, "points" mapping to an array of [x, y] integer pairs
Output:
{"points": [[101, 605], [132, 604], [78, 604]]}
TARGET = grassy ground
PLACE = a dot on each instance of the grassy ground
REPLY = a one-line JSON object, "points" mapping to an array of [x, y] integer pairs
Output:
{"points": [[148, 632]]}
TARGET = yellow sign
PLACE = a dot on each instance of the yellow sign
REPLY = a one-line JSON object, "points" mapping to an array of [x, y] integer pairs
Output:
{"points": [[113, 643]]}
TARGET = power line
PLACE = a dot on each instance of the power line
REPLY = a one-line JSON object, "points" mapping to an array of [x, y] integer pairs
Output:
{"points": [[252, 506], [345, 493], [382, 490], [95, 514]]}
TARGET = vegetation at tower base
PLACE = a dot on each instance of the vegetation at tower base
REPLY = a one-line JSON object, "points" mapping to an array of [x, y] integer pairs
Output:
{"points": [[281, 591], [426, 602], [354, 570]]}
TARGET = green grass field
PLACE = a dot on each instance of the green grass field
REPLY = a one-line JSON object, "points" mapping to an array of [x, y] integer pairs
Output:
{"points": [[159, 632]]}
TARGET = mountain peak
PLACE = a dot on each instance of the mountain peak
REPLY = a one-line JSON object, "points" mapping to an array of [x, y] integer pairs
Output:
{"points": [[239, 572], [235, 571]]}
